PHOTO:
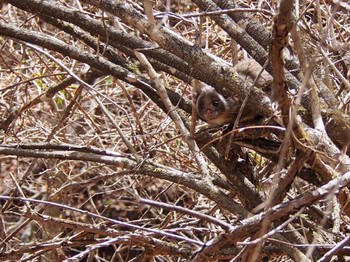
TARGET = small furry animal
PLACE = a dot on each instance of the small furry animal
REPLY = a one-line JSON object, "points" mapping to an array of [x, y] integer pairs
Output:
{"points": [[249, 70], [214, 108], [217, 109]]}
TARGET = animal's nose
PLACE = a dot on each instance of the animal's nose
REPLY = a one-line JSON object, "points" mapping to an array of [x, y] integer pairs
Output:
{"points": [[210, 112]]}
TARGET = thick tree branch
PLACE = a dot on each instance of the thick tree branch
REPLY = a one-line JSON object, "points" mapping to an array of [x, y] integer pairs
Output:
{"points": [[68, 152]]}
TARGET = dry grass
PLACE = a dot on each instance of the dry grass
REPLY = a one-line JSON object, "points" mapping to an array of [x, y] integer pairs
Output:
{"points": [[72, 204]]}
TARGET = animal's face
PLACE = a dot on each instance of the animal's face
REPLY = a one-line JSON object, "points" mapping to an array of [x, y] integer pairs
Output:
{"points": [[213, 107], [210, 105]]}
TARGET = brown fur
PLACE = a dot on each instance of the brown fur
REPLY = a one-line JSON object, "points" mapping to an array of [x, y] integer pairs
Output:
{"points": [[249, 69], [217, 110], [213, 107]]}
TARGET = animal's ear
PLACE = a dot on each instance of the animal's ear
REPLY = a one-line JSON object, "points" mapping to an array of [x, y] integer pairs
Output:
{"points": [[197, 87]]}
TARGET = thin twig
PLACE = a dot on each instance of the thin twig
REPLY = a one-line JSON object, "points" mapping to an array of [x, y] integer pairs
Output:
{"points": [[175, 116], [229, 11], [114, 221], [91, 90]]}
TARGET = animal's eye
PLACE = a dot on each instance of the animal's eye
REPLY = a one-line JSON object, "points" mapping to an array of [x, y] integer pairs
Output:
{"points": [[216, 102]]}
